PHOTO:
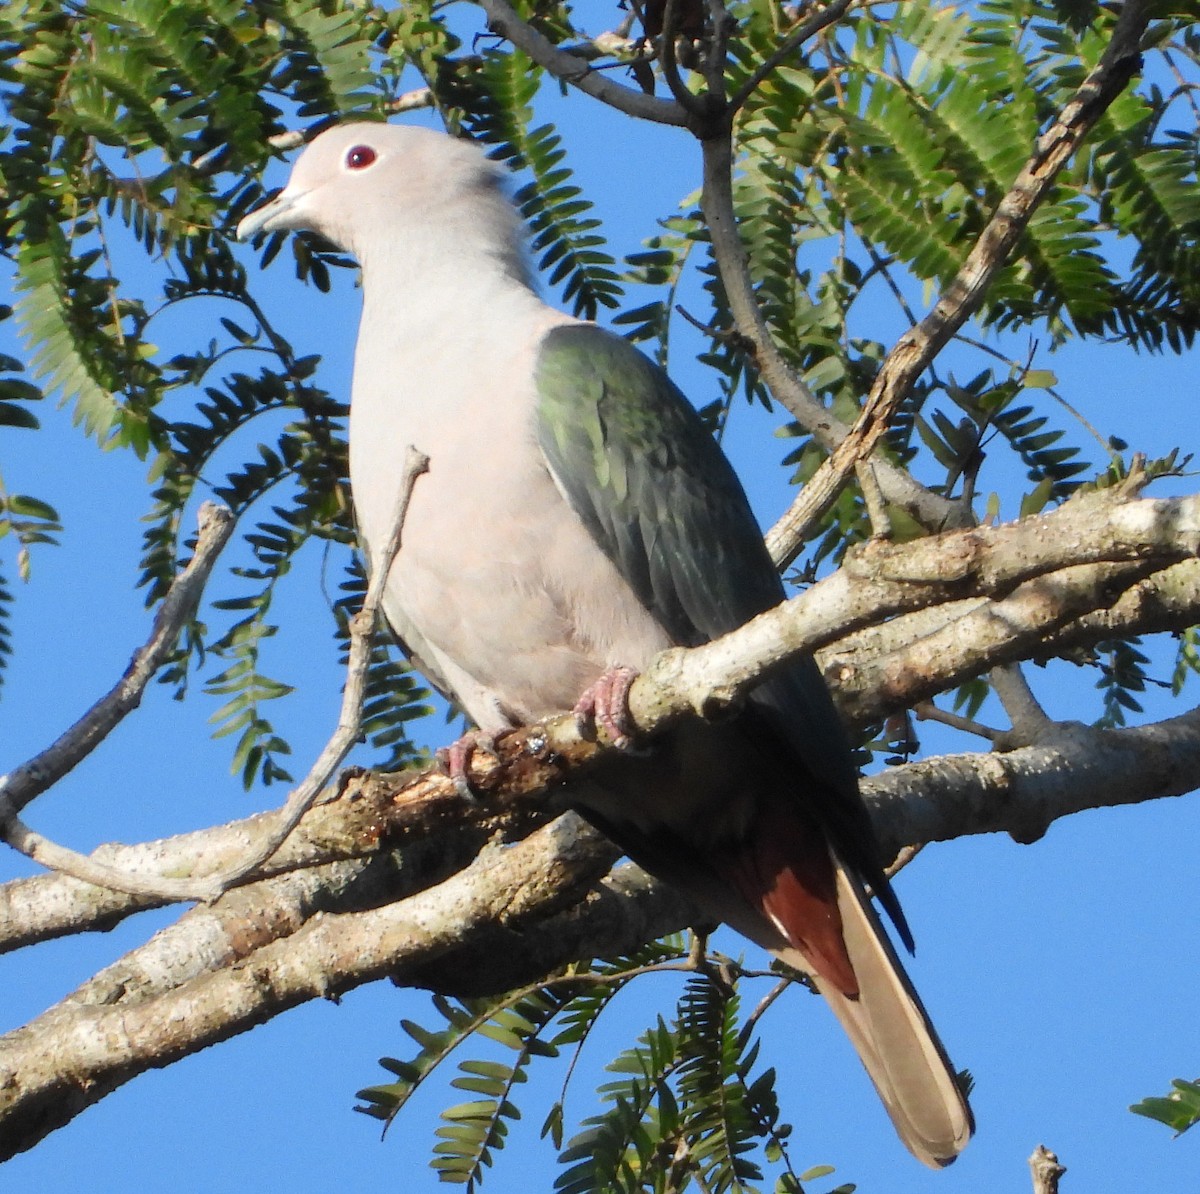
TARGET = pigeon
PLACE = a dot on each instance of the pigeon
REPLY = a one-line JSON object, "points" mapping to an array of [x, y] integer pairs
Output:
{"points": [[578, 517]]}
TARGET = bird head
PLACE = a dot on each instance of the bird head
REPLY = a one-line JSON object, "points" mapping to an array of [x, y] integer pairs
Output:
{"points": [[364, 184]]}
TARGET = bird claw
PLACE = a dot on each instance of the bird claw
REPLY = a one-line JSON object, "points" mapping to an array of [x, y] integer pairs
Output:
{"points": [[456, 759], [605, 704]]}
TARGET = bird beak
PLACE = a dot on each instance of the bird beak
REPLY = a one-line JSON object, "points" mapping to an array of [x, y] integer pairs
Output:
{"points": [[283, 213]]}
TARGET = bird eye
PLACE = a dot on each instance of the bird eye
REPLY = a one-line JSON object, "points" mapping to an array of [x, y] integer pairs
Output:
{"points": [[360, 157]]}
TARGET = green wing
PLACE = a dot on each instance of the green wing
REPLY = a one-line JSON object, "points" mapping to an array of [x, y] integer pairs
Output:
{"points": [[663, 503], [651, 484]]}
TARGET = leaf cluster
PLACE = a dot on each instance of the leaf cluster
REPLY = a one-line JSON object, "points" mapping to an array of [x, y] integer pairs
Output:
{"points": [[687, 1104], [138, 131]]}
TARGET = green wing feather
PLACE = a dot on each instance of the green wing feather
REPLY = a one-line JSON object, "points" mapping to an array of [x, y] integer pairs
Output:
{"points": [[663, 503], [650, 482]]}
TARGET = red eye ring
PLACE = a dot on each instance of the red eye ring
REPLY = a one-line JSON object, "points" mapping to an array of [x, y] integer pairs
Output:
{"points": [[360, 157]]}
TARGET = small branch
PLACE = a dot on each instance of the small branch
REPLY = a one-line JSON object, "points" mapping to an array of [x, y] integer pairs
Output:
{"points": [[33, 778], [904, 856], [763, 1005], [209, 887], [70, 862], [695, 106], [829, 15], [412, 101], [918, 347], [503, 20], [1029, 720], [1046, 1170], [362, 631], [900, 489], [712, 67], [928, 711], [881, 524]]}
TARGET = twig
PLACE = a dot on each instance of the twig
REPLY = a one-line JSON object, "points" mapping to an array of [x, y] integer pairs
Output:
{"points": [[34, 777], [1046, 1170], [904, 856], [918, 347], [763, 1004], [730, 336], [827, 16], [928, 711], [877, 513], [362, 630], [504, 22], [411, 101]]}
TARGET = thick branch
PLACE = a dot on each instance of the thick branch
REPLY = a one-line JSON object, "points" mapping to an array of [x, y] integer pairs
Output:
{"points": [[989, 634], [451, 935], [76, 1053], [1022, 792], [1046, 572], [897, 624]]}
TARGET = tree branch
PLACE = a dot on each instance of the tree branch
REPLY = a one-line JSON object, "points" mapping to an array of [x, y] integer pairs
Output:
{"points": [[31, 779], [76, 1053], [349, 725], [370, 883], [1045, 1170], [894, 625], [929, 509], [1022, 792], [471, 934], [1044, 573], [502, 20], [917, 347]]}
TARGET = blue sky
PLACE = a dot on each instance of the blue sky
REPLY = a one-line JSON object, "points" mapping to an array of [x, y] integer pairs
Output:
{"points": [[1062, 974]]}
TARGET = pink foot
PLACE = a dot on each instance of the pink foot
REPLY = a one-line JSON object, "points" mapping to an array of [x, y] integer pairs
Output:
{"points": [[606, 704], [456, 758]]}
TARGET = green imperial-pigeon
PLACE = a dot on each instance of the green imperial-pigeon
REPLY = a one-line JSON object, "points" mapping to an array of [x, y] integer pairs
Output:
{"points": [[576, 519]]}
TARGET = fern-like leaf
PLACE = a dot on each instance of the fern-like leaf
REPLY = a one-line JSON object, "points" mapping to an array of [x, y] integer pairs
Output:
{"points": [[564, 233]]}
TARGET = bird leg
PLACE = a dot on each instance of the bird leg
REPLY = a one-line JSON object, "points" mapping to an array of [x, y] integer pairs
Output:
{"points": [[606, 704], [456, 758]]}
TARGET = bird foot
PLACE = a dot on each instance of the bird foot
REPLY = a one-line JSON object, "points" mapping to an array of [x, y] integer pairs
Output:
{"points": [[606, 704], [456, 758]]}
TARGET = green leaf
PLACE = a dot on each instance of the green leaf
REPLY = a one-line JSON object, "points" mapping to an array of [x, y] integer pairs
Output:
{"points": [[1179, 1110]]}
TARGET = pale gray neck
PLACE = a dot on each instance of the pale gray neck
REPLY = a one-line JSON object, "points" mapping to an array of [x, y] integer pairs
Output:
{"points": [[451, 306], [446, 274]]}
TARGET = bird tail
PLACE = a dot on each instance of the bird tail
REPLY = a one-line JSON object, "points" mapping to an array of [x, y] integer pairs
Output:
{"points": [[892, 1034]]}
